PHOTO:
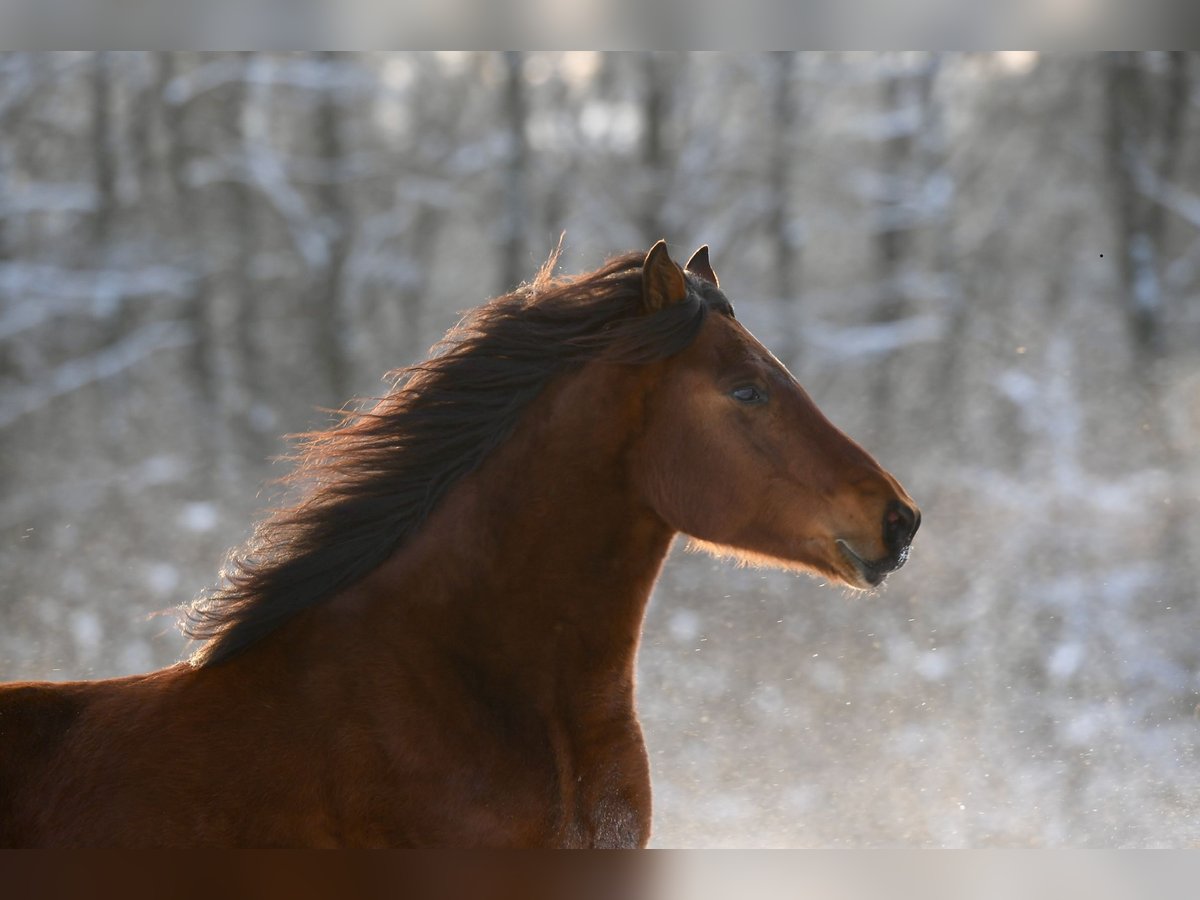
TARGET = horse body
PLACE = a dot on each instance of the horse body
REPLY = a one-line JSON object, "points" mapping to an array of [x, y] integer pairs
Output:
{"points": [[358, 703], [476, 687]]}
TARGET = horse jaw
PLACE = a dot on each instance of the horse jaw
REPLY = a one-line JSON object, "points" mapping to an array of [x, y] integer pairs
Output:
{"points": [[846, 576]]}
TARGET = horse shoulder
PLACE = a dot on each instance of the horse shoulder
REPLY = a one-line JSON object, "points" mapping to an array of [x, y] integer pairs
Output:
{"points": [[68, 751], [35, 721]]}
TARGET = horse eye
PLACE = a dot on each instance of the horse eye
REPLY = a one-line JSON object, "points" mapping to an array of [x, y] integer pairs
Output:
{"points": [[748, 394]]}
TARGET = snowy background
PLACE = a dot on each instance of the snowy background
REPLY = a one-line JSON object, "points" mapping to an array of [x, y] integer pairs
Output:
{"points": [[984, 267]]}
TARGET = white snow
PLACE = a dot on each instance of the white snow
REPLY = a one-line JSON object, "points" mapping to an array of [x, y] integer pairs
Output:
{"points": [[199, 516]]}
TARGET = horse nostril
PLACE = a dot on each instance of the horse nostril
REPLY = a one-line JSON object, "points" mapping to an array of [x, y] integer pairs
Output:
{"points": [[900, 523]]}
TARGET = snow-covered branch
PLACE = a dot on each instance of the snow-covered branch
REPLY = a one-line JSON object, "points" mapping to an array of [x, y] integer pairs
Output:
{"points": [[35, 293], [126, 353], [296, 72], [21, 74], [261, 169], [1180, 201], [857, 342], [48, 197]]}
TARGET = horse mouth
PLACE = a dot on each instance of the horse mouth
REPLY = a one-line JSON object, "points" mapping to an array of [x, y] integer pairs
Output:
{"points": [[869, 574]]}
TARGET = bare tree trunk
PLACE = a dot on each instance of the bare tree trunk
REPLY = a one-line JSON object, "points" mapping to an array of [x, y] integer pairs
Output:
{"points": [[1179, 459], [1175, 106], [654, 111], [141, 128], [104, 166], [240, 354], [891, 237], [189, 224], [438, 114], [905, 94], [154, 142], [1142, 140], [8, 128], [331, 335], [554, 205], [934, 150], [512, 227], [1139, 139], [779, 212], [166, 68], [423, 236], [1139, 276], [892, 233]]}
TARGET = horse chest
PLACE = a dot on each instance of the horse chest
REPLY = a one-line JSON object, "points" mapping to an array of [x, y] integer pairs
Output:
{"points": [[608, 805], [550, 787], [603, 782]]}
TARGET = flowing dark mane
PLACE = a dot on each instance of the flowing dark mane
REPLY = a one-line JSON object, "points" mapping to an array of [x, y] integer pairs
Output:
{"points": [[369, 482]]}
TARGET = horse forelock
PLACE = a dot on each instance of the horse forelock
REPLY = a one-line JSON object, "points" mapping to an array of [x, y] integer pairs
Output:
{"points": [[368, 483]]}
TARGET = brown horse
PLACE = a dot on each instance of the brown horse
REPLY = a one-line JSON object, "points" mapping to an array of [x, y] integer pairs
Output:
{"points": [[435, 645]]}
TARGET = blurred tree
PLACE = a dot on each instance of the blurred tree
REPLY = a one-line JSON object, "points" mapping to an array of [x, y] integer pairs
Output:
{"points": [[248, 104], [102, 144], [326, 301], [513, 262], [173, 114], [908, 202], [655, 102], [1147, 99], [1143, 135], [779, 219]]}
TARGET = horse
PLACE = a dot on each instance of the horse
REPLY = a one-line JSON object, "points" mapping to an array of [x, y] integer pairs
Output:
{"points": [[432, 641]]}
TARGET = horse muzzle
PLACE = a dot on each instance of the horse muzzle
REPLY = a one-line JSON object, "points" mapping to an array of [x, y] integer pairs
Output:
{"points": [[900, 524]]}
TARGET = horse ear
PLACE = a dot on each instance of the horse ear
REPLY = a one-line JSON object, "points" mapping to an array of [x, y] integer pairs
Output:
{"points": [[662, 280], [699, 265]]}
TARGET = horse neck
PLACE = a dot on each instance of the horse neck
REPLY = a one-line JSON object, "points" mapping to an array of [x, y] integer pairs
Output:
{"points": [[538, 566]]}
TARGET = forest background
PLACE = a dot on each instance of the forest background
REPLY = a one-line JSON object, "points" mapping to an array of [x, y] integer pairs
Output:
{"points": [[985, 267]]}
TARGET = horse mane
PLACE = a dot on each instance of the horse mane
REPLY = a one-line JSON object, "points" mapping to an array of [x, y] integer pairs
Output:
{"points": [[369, 482]]}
